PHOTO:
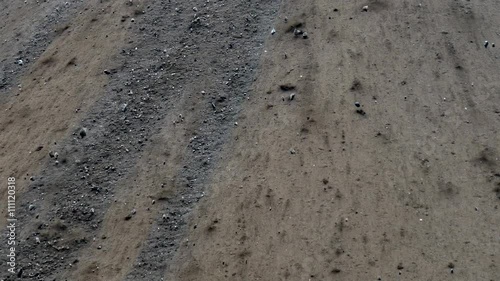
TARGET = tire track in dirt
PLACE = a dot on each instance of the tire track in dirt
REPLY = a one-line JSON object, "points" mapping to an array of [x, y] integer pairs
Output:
{"points": [[66, 79], [221, 45], [207, 140], [57, 91]]}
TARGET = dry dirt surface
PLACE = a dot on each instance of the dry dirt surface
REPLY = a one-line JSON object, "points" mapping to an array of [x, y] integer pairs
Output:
{"points": [[251, 139]]}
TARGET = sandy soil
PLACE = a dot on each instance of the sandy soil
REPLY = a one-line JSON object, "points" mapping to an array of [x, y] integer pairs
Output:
{"points": [[214, 150]]}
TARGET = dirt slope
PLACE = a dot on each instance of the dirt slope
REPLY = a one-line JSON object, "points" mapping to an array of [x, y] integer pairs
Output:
{"points": [[196, 164], [391, 194]]}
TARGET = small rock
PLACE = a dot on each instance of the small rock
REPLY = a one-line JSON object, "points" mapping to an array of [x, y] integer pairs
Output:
{"points": [[361, 112], [292, 151], [304, 35], [291, 97], [83, 132], [486, 44], [20, 62], [273, 31], [297, 32], [287, 87], [132, 20], [106, 71], [365, 8], [19, 273], [357, 104]]}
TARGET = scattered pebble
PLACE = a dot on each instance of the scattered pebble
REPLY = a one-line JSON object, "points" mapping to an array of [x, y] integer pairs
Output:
{"points": [[486, 44], [357, 104], [365, 8]]}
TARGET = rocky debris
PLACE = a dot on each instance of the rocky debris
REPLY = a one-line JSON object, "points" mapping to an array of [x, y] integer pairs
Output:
{"points": [[273, 31], [365, 8], [54, 155], [291, 97], [359, 110], [305, 35], [486, 43]]}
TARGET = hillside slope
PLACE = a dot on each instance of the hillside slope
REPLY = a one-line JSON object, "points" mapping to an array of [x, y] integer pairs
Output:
{"points": [[195, 144]]}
